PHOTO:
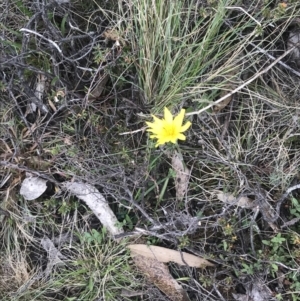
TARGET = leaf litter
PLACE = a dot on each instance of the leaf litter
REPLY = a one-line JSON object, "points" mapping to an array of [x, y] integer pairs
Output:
{"points": [[33, 187], [151, 261], [167, 255], [182, 176]]}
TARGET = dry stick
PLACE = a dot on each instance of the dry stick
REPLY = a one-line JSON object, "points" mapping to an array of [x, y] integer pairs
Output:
{"points": [[240, 8], [273, 58], [133, 132], [42, 37], [244, 84], [290, 223]]}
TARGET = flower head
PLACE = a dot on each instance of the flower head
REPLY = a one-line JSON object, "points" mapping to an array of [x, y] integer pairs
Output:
{"points": [[168, 129]]}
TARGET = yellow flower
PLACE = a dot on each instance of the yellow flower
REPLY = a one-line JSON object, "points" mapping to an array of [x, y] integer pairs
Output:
{"points": [[168, 129]]}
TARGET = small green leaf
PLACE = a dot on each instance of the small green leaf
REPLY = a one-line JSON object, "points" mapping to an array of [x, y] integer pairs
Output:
{"points": [[275, 267]]}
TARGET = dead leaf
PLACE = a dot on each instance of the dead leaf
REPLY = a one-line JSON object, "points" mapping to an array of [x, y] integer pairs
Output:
{"points": [[229, 86], [32, 188], [113, 35], [54, 256], [182, 176], [39, 92], [68, 140], [166, 255], [264, 207], [97, 203], [221, 105], [40, 86], [99, 86], [243, 202], [241, 297], [52, 106], [157, 273]]}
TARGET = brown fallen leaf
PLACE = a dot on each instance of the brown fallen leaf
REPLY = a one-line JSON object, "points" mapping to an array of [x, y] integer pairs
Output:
{"points": [[166, 255], [182, 176], [243, 202], [221, 105], [99, 86], [264, 207], [157, 273]]}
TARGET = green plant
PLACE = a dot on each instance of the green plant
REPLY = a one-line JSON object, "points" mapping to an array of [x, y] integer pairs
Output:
{"points": [[275, 243], [205, 281], [282, 250], [184, 242], [295, 209]]}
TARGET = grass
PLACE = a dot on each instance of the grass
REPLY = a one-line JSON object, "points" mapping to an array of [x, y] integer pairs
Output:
{"points": [[177, 49], [96, 268], [179, 54]]}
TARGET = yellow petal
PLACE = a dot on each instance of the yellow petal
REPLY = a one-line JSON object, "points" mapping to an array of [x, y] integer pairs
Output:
{"points": [[185, 127], [181, 137], [179, 119], [155, 126], [150, 124], [152, 130], [168, 116], [173, 140], [162, 139], [157, 120]]}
